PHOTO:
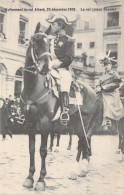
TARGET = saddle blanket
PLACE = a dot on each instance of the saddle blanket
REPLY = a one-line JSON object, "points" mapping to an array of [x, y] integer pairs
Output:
{"points": [[78, 100]]}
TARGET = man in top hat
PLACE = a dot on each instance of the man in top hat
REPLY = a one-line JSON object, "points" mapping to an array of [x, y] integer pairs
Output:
{"points": [[62, 50], [108, 86]]}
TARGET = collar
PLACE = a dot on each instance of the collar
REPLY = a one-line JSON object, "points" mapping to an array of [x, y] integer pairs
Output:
{"points": [[61, 33]]}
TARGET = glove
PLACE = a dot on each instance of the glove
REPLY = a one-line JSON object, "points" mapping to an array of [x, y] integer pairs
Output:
{"points": [[55, 64], [98, 89]]}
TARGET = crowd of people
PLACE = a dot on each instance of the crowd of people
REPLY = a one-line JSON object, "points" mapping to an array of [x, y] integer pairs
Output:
{"points": [[11, 116]]}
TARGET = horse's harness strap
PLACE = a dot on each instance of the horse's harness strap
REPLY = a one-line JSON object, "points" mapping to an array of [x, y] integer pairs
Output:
{"points": [[33, 57], [45, 53], [38, 58], [37, 99]]}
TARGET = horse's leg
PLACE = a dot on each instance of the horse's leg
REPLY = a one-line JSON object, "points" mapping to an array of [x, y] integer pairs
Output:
{"points": [[120, 137], [83, 145], [95, 121], [40, 185], [118, 151], [51, 141], [80, 166], [70, 141], [4, 134], [56, 149], [29, 181], [58, 139], [82, 149], [120, 140]]}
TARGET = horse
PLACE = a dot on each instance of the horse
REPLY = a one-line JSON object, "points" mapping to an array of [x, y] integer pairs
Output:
{"points": [[98, 115], [40, 105], [121, 131]]}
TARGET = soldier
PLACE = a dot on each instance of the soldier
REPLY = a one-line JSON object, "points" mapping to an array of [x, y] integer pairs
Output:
{"points": [[62, 52], [108, 86]]}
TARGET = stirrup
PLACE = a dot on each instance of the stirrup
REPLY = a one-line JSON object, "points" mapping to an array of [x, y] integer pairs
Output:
{"points": [[64, 117], [108, 123]]}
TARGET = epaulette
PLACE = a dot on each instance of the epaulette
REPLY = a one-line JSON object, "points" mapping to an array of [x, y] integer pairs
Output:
{"points": [[70, 39]]}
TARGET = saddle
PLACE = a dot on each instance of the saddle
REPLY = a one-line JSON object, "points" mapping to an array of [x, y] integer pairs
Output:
{"points": [[53, 82]]}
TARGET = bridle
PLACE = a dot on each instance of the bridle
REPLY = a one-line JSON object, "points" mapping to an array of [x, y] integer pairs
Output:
{"points": [[36, 62], [36, 70]]}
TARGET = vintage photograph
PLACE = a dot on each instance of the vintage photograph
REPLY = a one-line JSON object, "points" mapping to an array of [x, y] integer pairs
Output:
{"points": [[61, 97]]}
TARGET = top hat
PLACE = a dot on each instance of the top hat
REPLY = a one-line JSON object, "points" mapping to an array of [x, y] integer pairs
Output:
{"points": [[54, 18]]}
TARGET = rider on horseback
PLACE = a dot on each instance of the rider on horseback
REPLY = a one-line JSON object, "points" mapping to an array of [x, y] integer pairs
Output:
{"points": [[108, 86], [62, 50]]}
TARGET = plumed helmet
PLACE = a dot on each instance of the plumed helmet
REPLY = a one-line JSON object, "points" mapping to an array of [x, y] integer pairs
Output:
{"points": [[55, 18], [105, 61]]}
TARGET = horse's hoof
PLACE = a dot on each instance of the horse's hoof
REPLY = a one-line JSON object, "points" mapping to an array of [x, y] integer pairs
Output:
{"points": [[56, 149], [28, 183], [50, 150], [83, 168], [69, 148], [73, 176], [118, 151], [82, 173], [40, 186]]}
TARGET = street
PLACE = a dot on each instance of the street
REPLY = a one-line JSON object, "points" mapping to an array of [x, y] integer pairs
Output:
{"points": [[105, 171]]}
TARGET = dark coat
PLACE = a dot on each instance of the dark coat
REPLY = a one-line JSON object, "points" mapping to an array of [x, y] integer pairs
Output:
{"points": [[64, 50], [4, 116]]}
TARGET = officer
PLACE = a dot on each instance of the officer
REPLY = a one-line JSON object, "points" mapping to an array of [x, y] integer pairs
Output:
{"points": [[62, 51], [108, 86]]}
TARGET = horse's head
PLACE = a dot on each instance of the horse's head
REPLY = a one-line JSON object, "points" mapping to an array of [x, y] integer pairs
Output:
{"points": [[38, 54]]}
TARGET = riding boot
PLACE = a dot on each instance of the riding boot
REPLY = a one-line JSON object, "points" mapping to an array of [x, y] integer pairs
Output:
{"points": [[64, 99]]}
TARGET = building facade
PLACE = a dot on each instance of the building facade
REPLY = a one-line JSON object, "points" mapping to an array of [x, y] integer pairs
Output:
{"points": [[103, 34], [15, 30], [100, 33]]}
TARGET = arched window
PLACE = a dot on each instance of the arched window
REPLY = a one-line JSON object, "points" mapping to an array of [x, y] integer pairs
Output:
{"points": [[18, 82]]}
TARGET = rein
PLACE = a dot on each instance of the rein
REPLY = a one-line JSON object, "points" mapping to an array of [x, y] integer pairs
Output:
{"points": [[36, 65], [36, 70]]}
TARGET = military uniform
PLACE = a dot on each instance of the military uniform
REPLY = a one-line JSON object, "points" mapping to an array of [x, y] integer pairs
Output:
{"points": [[110, 81], [64, 50], [109, 85]]}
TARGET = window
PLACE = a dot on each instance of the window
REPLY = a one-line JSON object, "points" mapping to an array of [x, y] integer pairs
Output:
{"points": [[23, 29], [91, 61], [113, 48], [1, 22], [86, 25], [112, 19], [79, 45], [92, 44], [18, 83]]}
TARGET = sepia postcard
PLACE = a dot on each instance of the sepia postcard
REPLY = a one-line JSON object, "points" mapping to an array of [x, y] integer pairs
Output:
{"points": [[61, 97]]}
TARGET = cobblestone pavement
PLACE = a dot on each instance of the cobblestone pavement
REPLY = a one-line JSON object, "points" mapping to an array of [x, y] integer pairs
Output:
{"points": [[105, 171]]}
